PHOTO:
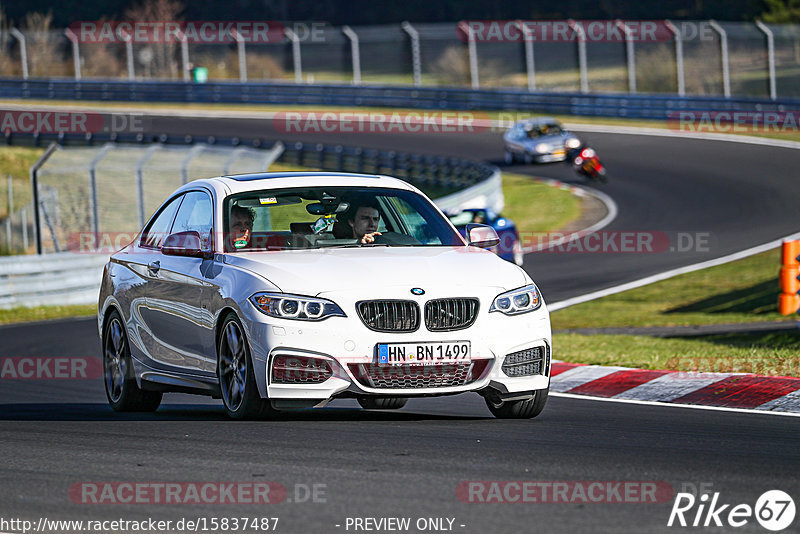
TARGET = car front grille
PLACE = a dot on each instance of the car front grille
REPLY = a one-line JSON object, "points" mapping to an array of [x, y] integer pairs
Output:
{"points": [[417, 376], [389, 315], [443, 315], [527, 362]]}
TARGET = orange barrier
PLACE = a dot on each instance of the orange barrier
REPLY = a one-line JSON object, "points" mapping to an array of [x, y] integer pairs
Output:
{"points": [[789, 300]]}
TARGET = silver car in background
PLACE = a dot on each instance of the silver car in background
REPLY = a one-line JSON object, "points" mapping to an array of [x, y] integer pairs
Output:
{"points": [[539, 140]]}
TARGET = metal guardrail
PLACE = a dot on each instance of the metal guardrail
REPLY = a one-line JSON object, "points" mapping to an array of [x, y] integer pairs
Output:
{"points": [[63, 279], [607, 105]]}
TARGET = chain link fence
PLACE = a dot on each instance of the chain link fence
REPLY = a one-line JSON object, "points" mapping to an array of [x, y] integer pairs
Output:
{"points": [[110, 190], [701, 58]]}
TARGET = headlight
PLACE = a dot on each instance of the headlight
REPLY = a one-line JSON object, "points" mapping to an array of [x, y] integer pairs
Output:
{"points": [[572, 143], [522, 300], [285, 306], [542, 147]]}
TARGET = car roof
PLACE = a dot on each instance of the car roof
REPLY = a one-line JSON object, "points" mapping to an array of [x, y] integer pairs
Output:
{"points": [[539, 120], [239, 183]]}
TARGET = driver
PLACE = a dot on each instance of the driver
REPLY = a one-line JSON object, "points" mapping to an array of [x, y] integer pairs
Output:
{"points": [[363, 218]]}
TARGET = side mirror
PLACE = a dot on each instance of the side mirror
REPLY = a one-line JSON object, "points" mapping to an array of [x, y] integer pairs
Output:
{"points": [[184, 244], [482, 236]]}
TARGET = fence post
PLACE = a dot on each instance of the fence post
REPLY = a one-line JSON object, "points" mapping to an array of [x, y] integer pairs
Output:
{"points": [[23, 51], [185, 56], [192, 153], [416, 63], [473, 54], [723, 45], [272, 156], [34, 173], [139, 180], [630, 54], [773, 86], [93, 187], [10, 212], [678, 57], [128, 38], [240, 51], [24, 220], [581, 35], [76, 52], [296, 58], [355, 53], [235, 153], [10, 195], [527, 39]]}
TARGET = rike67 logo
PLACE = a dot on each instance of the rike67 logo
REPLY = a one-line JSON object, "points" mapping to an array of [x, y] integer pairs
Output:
{"points": [[774, 510]]}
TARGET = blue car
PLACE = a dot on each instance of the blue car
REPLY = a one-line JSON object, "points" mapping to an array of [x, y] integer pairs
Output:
{"points": [[510, 248]]}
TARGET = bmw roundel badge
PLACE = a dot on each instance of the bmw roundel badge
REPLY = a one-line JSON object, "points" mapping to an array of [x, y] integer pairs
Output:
{"points": [[418, 291]]}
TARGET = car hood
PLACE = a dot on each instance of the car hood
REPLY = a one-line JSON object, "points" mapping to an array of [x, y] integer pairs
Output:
{"points": [[311, 272]]}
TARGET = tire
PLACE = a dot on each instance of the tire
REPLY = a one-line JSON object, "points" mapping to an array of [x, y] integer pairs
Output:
{"points": [[520, 409], [382, 403], [528, 159], [509, 157], [122, 391], [237, 381]]}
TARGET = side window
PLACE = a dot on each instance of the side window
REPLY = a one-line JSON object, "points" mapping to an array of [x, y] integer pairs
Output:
{"points": [[195, 214], [158, 229]]}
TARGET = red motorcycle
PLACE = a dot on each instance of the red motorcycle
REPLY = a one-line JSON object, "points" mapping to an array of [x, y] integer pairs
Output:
{"points": [[585, 162]]}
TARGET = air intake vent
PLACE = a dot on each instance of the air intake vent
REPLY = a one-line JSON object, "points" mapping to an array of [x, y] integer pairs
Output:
{"points": [[445, 315], [526, 362], [389, 315]]}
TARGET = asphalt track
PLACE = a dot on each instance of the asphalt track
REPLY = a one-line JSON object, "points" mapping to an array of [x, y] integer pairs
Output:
{"points": [[409, 463]]}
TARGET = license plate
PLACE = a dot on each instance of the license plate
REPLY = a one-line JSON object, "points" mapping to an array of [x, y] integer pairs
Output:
{"points": [[424, 353], [559, 152]]}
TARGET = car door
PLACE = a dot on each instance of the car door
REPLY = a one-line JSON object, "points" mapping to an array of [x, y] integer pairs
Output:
{"points": [[142, 260], [178, 315]]}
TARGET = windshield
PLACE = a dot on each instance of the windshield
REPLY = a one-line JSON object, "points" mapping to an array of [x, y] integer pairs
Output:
{"points": [[324, 217], [539, 130]]}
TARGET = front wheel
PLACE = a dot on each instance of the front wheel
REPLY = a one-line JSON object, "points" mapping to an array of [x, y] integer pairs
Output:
{"points": [[519, 409], [509, 157], [237, 381], [382, 403], [122, 391]]}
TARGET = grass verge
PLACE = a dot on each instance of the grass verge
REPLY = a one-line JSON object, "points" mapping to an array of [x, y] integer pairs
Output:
{"points": [[737, 292], [537, 207], [16, 162], [770, 354], [43, 313], [742, 291]]}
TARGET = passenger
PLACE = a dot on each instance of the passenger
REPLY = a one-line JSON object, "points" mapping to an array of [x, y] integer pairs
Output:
{"points": [[241, 226]]}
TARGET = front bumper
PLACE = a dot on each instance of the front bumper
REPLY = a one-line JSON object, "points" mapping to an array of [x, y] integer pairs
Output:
{"points": [[349, 347]]}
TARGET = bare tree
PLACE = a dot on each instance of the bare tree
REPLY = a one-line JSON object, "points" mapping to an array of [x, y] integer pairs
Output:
{"points": [[158, 58]]}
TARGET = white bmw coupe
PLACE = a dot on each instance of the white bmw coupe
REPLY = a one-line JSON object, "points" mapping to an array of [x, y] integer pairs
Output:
{"points": [[276, 291]]}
